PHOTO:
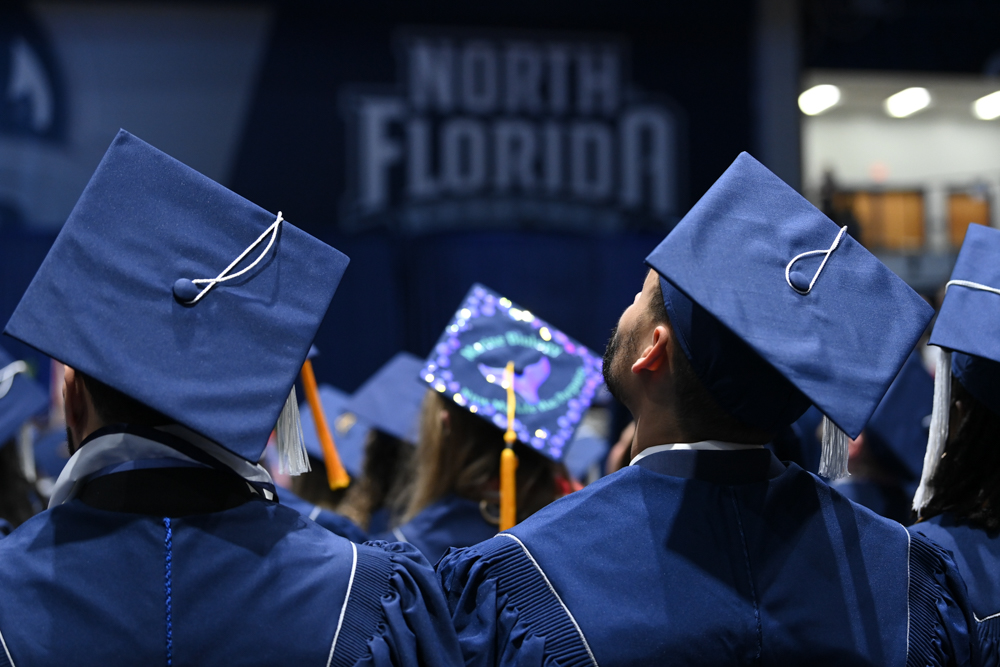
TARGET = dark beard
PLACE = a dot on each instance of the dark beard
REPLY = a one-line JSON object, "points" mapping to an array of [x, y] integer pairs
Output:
{"points": [[617, 346]]}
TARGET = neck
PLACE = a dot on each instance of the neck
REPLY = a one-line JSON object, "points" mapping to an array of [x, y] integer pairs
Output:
{"points": [[656, 425]]}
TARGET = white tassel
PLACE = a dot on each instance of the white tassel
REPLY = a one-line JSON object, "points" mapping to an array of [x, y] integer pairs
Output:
{"points": [[833, 461], [292, 456], [938, 435], [26, 452]]}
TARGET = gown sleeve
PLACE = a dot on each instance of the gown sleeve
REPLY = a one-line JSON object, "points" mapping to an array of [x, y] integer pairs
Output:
{"points": [[942, 626], [339, 524], [504, 611], [395, 585]]}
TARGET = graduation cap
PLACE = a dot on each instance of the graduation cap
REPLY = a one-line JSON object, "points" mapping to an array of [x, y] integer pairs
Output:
{"points": [[897, 431], [965, 330], [21, 398], [776, 308], [183, 295], [587, 449], [347, 429], [513, 369], [390, 400]]}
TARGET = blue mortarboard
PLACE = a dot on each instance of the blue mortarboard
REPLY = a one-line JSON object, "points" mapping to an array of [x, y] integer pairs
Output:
{"points": [[21, 398], [555, 377], [777, 307], [966, 330], [897, 431], [390, 400], [585, 450], [970, 316], [131, 294], [347, 430]]}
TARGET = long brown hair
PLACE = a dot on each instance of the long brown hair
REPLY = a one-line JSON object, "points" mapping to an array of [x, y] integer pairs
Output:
{"points": [[387, 462], [464, 459], [967, 480]]}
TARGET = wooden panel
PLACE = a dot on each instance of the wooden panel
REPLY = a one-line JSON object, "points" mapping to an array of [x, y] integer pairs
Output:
{"points": [[964, 209], [891, 220]]}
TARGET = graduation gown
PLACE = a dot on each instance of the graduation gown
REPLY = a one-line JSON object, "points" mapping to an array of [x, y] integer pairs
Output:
{"points": [[707, 558], [337, 524], [888, 500], [448, 522], [977, 554], [109, 577]]}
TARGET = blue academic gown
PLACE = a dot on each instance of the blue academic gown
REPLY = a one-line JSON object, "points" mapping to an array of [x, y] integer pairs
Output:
{"points": [[337, 524], [707, 558], [448, 522], [977, 554], [886, 500], [254, 584]]}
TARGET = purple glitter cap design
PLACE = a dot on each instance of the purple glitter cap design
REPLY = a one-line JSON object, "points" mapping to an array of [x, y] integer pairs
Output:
{"points": [[555, 377]]}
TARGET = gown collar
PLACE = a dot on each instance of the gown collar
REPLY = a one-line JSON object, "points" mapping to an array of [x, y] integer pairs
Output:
{"points": [[121, 447], [718, 466]]}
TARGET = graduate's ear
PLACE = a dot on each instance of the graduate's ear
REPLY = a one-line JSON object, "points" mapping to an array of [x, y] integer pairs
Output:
{"points": [[656, 355], [77, 406]]}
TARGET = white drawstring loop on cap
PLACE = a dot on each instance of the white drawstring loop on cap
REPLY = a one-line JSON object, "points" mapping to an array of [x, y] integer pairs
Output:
{"points": [[970, 284], [209, 283], [827, 253], [7, 374]]}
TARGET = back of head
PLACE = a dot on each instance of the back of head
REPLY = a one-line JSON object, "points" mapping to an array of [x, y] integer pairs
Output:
{"points": [[699, 415], [387, 460], [114, 407], [460, 454], [966, 482]]}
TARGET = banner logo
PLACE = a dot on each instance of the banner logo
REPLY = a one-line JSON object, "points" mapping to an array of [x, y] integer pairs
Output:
{"points": [[486, 132]]}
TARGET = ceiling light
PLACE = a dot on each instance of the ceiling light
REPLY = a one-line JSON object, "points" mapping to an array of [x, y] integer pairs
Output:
{"points": [[818, 99], [907, 102], [987, 108]]}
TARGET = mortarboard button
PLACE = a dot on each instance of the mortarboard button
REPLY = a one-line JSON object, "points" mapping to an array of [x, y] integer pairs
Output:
{"points": [[798, 279], [185, 290]]}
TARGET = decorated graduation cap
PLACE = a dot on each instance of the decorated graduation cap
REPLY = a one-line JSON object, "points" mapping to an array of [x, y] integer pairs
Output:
{"points": [[21, 398], [390, 400], [513, 369], [966, 331], [897, 431], [183, 295], [347, 429], [776, 308]]}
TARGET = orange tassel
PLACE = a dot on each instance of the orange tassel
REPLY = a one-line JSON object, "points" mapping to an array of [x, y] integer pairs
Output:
{"points": [[336, 476], [508, 459]]}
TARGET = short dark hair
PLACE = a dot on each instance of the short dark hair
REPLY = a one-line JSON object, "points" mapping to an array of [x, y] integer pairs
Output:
{"points": [[967, 480], [698, 413], [114, 407]]}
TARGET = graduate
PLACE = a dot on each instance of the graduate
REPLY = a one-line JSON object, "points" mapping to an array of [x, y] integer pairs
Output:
{"points": [[959, 496], [20, 399], [456, 499], [164, 542], [707, 550], [389, 404], [885, 460]]}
